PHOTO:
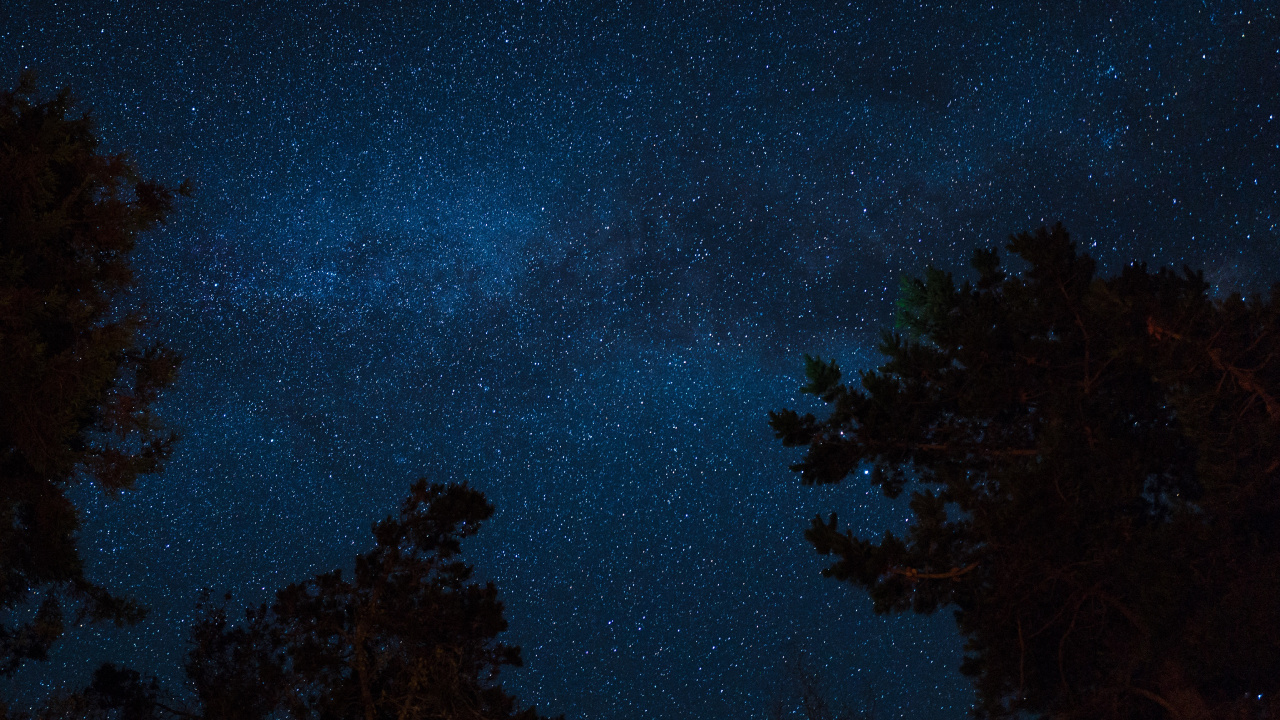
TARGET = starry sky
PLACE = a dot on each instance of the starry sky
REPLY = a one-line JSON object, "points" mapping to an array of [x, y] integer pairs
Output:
{"points": [[572, 253]]}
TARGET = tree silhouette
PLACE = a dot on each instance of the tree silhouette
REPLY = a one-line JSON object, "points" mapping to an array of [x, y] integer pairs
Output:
{"points": [[115, 693], [76, 387], [1093, 465], [408, 636]]}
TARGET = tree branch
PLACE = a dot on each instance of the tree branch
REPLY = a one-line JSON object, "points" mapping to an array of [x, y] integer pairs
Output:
{"points": [[1246, 381], [975, 449], [913, 575], [1244, 378], [1173, 712], [1129, 615]]}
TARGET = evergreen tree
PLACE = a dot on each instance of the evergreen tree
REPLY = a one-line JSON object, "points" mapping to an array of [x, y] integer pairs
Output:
{"points": [[76, 386], [1093, 466], [408, 636]]}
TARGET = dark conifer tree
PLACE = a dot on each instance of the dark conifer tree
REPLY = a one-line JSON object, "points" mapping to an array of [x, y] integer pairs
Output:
{"points": [[1095, 476], [407, 636], [76, 386]]}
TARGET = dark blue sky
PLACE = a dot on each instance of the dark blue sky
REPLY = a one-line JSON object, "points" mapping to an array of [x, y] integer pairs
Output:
{"points": [[573, 252]]}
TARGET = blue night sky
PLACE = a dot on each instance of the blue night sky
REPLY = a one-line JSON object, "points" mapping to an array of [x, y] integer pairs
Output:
{"points": [[573, 253]]}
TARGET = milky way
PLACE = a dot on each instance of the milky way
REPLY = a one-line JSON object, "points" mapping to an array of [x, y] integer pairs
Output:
{"points": [[572, 253]]}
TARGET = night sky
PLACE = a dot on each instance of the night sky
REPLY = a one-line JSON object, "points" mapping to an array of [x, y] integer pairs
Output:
{"points": [[572, 253]]}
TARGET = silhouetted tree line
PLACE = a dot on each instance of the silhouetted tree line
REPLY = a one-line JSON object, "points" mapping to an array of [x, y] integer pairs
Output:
{"points": [[1092, 465], [409, 635]]}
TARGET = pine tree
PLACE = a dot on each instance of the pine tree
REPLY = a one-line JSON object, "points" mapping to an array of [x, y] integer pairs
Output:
{"points": [[1093, 475]]}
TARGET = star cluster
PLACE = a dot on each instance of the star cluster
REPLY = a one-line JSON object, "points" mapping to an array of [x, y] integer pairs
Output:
{"points": [[572, 253]]}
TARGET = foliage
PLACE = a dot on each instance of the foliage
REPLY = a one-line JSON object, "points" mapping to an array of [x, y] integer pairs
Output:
{"points": [[1093, 465], [408, 636], [76, 387], [115, 693]]}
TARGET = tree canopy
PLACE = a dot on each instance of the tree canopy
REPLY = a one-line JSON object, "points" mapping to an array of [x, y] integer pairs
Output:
{"points": [[1093, 473], [409, 635], [76, 384]]}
